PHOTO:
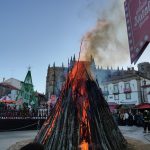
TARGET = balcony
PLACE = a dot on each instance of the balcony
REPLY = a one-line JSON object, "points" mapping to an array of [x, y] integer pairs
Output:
{"points": [[115, 92], [127, 90], [145, 86]]}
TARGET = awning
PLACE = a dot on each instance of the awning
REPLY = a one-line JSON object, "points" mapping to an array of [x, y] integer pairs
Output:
{"points": [[126, 106], [8, 101], [112, 106], [143, 106]]}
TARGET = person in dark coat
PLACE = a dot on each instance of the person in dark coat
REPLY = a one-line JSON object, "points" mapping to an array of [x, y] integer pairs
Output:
{"points": [[146, 120], [130, 119]]}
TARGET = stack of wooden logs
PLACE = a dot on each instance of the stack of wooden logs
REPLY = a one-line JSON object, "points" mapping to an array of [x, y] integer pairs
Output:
{"points": [[81, 118]]}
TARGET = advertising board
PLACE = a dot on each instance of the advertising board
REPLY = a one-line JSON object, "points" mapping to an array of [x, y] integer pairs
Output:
{"points": [[137, 14]]}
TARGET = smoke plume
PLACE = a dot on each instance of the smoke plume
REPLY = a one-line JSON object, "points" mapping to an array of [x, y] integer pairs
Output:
{"points": [[107, 41]]}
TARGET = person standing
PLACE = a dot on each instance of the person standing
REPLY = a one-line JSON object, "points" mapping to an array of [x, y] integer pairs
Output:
{"points": [[130, 123], [126, 118], [145, 120], [148, 121]]}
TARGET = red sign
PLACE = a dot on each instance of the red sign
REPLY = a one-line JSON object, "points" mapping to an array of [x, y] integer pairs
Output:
{"points": [[138, 26]]}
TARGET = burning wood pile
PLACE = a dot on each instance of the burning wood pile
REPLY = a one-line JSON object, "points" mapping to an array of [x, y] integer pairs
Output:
{"points": [[81, 118]]}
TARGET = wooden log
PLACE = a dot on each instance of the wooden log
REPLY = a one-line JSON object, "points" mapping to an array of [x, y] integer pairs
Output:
{"points": [[65, 130]]}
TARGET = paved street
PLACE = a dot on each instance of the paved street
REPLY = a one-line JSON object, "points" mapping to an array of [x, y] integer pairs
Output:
{"points": [[136, 133], [9, 138]]}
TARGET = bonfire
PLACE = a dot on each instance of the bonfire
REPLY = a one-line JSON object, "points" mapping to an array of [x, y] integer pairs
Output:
{"points": [[81, 118]]}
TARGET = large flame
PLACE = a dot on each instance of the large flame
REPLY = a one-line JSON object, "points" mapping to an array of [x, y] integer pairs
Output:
{"points": [[78, 77], [77, 80], [75, 121]]}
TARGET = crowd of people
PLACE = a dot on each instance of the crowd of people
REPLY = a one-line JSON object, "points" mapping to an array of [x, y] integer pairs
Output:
{"points": [[127, 118], [26, 112], [122, 118]]}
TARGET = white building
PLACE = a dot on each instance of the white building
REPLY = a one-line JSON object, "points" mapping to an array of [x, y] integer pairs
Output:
{"points": [[13, 82], [8, 90], [127, 87], [10, 87]]}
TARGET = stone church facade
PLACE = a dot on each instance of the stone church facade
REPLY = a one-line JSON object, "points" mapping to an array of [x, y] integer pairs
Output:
{"points": [[118, 85], [56, 76]]}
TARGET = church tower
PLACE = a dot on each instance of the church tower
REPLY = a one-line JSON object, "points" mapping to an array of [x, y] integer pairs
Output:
{"points": [[54, 80]]}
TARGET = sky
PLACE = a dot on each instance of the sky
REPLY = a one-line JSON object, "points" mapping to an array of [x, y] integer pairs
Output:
{"points": [[37, 33]]}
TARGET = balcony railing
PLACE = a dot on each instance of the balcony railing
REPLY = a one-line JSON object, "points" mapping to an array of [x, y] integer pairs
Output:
{"points": [[115, 92], [127, 90]]}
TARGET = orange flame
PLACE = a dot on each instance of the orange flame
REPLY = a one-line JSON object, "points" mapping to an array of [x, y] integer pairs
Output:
{"points": [[77, 80], [84, 146], [78, 77]]}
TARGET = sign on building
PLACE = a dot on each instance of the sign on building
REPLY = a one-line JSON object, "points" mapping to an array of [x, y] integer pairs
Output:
{"points": [[138, 26]]}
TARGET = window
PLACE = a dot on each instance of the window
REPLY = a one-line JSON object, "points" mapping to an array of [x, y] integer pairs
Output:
{"points": [[116, 97], [127, 88], [116, 90], [127, 85], [105, 88], [105, 92], [106, 98], [128, 95]]}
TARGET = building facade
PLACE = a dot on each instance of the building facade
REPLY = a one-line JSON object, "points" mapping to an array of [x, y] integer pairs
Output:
{"points": [[55, 79], [22, 91], [128, 87], [56, 76], [13, 82], [121, 86], [8, 90]]}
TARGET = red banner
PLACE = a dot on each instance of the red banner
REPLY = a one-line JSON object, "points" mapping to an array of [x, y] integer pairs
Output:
{"points": [[138, 26]]}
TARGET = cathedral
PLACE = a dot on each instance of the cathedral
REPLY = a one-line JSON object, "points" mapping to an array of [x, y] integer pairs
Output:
{"points": [[56, 75], [118, 85]]}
